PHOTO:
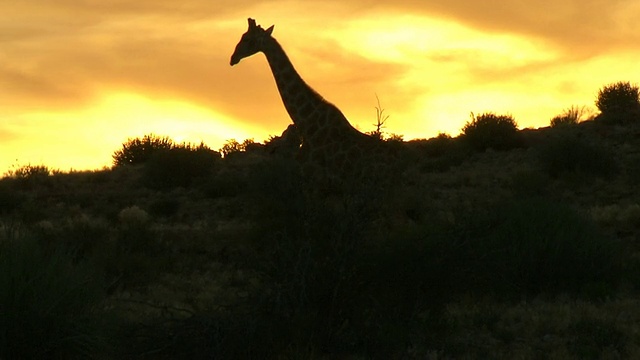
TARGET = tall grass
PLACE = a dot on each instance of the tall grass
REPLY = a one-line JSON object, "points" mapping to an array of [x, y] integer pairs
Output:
{"points": [[47, 303]]}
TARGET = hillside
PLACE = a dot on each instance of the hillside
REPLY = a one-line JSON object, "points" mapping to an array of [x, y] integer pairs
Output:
{"points": [[529, 251]]}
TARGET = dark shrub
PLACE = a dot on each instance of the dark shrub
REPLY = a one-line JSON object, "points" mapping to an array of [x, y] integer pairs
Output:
{"points": [[138, 151], [438, 153], [534, 245], [29, 171], [619, 103], [570, 154], [491, 131], [29, 176], [617, 97], [179, 166], [233, 146]]}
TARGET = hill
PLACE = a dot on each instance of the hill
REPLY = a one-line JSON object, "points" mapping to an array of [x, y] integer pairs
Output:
{"points": [[527, 251]]}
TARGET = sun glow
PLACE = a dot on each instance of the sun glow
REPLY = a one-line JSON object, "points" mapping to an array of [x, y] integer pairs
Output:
{"points": [[86, 138], [452, 68]]}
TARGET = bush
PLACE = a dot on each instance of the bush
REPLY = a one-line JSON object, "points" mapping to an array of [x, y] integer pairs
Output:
{"points": [[618, 97], [47, 304], [82, 235], [138, 151], [571, 116], [179, 166], [29, 171], [619, 102], [438, 153], [233, 146], [28, 176], [570, 154], [536, 246], [491, 131]]}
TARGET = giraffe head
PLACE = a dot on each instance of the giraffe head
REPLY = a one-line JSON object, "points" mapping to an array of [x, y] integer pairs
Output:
{"points": [[251, 42]]}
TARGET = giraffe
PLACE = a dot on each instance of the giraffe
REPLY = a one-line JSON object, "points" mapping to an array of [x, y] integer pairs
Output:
{"points": [[329, 141]]}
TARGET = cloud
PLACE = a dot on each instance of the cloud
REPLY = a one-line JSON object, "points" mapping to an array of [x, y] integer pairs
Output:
{"points": [[583, 26], [65, 53], [54, 66], [166, 50]]}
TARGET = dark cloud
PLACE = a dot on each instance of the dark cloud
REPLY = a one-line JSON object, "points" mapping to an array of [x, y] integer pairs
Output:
{"points": [[584, 25]]}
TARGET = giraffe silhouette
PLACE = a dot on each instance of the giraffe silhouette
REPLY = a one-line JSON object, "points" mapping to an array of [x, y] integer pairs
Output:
{"points": [[329, 141]]}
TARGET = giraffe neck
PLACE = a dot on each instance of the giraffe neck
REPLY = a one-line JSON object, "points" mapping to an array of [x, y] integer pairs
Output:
{"points": [[309, 110]]}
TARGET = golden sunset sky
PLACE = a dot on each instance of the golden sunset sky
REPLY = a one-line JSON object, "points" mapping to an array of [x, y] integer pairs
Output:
{"points": [[79, 77]]}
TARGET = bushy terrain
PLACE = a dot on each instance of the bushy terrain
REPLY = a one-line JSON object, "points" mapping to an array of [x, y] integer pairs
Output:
{"points": [[499, 243]]}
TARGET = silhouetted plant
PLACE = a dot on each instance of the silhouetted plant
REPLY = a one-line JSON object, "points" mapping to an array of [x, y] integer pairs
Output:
{"points": [[570, 116], [29, 171], [28, 176], [381, 119], [619, 102], [618, 96], [233, 146], [491, 131], [438, 153], [138, 151], [179, 166], [395, 138], [571, 154]]}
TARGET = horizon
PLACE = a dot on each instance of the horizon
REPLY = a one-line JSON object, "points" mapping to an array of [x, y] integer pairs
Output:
{"points": [[79, 79]]}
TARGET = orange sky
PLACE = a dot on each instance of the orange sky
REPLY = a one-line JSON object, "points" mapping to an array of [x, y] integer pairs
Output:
{"points": [[79, 77]]}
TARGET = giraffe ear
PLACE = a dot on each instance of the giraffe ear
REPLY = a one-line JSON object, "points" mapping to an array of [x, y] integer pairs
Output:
{"points": [[269, 30]]}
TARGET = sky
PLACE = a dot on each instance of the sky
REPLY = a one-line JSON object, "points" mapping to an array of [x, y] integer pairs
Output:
{"points": [[80, 77]]}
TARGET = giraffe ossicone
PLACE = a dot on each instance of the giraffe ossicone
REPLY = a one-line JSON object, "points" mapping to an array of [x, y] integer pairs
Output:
{"points": [[328, 139]]}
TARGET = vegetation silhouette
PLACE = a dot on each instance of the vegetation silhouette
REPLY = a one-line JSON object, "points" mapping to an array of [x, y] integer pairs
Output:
{"points": [[497, 243], [619, 102], [491, 131], [138, 151]]}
